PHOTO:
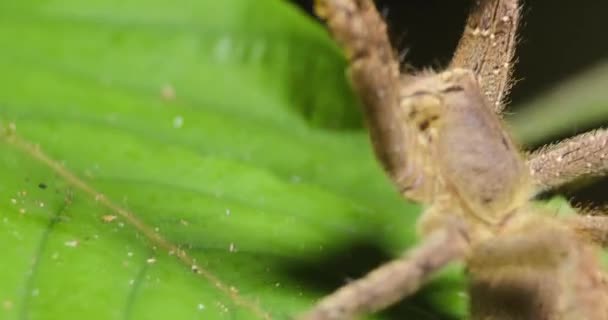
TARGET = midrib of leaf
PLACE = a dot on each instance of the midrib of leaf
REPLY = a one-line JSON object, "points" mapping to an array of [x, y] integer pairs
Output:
{"points": [[156, 239]]}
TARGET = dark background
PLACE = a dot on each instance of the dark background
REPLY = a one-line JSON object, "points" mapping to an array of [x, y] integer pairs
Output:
{"points": [[557, 39]]}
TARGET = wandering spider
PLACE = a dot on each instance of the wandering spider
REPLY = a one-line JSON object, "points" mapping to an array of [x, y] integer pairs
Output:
{"points": [[440, 138]]}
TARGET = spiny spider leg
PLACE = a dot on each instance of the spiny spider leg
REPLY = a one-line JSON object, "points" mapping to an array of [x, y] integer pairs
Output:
{"points": [[487, 47], [585, 155], [394, 280], [374, 73]]}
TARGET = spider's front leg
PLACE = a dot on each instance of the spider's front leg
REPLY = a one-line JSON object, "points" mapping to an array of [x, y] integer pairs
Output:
{"points": [[394, 280], [487, 47], [374, 73]]}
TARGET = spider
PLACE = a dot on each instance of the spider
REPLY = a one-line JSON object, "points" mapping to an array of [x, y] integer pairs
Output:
{"points": [[440, 138]]}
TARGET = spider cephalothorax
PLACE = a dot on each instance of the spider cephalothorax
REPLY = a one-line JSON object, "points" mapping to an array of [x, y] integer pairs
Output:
{"points": [[440, 138]]}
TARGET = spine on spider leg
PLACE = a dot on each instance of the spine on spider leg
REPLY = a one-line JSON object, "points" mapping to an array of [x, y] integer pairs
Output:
{"points": [[374, 72], [585, 155], [487, 47]]}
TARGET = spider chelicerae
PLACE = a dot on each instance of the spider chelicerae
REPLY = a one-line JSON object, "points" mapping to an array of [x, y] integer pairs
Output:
{"points": [[440, 138]]}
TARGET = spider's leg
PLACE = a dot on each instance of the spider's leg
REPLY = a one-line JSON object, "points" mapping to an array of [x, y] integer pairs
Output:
{"points": [[592, 228], [394, 280], [537, 268], [487, 47], [374, 72], [585, 155]]}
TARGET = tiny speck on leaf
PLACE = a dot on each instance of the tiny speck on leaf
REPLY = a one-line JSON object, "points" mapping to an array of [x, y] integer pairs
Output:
{"points": [[71, 243], [178, 122], [108, 218], [167, 92], [7, 304]]}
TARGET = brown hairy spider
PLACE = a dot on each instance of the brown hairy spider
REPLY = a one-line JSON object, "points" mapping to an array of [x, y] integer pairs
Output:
{"points": [[441, 139]]}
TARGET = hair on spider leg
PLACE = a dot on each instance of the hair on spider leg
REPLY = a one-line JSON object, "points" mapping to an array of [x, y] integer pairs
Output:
{"points": [[402, 49], [402, 54], [592, 193], [384, 10]]}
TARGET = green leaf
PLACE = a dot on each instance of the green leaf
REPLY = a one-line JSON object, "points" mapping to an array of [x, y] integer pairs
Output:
{"points": [[186, 160]]}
